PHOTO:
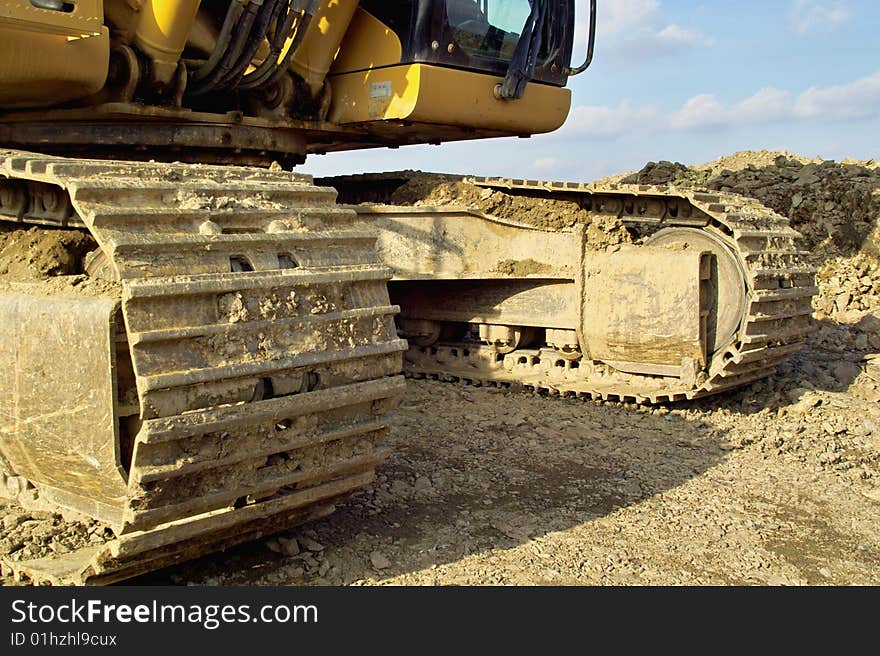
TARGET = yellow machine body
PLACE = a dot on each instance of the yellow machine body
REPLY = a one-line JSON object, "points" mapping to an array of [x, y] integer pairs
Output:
{"points": [[313, 59], [162, 32], [48, 57], [345, 56], [425, 94], [371, 84]]}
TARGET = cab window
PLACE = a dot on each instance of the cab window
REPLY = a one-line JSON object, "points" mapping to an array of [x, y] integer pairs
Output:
{"points": [[487, 28]]}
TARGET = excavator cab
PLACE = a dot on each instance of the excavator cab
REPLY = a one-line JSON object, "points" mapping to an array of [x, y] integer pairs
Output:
{"points": [[483, 65], [481, 35]]}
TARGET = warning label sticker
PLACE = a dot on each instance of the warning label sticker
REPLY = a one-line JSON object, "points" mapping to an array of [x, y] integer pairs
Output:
{"points": [[381, 90]]}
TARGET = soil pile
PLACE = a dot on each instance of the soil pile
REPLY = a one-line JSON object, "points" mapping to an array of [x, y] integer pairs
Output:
{"points": [[41, 253], [25, 535], [835, 205]]}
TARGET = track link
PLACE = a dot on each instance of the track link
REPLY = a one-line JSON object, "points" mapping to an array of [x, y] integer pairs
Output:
{"points": [[774, 325], [262, 345]]}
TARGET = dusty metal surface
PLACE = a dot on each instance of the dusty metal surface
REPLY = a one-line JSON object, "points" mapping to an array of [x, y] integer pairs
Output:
{"points": [[136, 131], [263, 348], [730, 302], [534, 302], [724, 294], [642, 306], [59, 422], [425, 243]]}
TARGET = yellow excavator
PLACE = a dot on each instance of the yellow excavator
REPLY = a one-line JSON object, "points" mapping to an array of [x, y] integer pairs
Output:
{"points": [[212, 351]]}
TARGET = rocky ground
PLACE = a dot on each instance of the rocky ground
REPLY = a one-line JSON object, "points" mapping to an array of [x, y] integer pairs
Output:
{"points": [[778, 483], [774, 485]]}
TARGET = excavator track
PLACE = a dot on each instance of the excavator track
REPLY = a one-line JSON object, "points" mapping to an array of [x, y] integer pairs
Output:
{"points": [[775, 320], [255, 359]]}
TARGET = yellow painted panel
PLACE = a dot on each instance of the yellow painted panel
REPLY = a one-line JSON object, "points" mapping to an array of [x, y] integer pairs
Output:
{"points": [[86, 19], [313, 58], [423, 93], [369, 43], [164, 26], [38, 69]]}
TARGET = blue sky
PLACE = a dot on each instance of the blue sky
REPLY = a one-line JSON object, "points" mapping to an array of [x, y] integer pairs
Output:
{"points": [[690, 81]]}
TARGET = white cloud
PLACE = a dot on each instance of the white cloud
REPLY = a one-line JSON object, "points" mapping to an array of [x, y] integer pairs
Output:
{"points": [[625, 15], [637, 28], [707, 111], [812, 16], [547, 164], [703, 111], [673, 36], [859, 99], [769, 104]]}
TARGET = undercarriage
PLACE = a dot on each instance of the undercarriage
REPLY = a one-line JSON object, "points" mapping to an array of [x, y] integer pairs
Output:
{"points": [[703, 293]]}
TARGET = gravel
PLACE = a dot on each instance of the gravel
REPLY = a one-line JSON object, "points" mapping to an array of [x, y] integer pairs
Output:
{"points": [[776, 484]]}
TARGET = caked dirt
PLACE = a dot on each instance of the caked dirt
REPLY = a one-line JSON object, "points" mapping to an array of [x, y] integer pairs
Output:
{"points": [[436, 190], [425, 189], [777, 483], [34, 253], [49, 261]]}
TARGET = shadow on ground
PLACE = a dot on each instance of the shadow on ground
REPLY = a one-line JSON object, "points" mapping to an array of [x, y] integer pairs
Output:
{"points": [[476, 469]]}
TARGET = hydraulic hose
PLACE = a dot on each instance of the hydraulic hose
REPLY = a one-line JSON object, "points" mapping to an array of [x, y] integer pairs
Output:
{"points": [[240, 35], [282, 33], [269, 12], [301, 31], [233, 13], [525, 56]]}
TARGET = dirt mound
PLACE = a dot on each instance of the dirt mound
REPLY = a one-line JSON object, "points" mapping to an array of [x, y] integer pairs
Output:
{"points": [[41, 253], [848, 287], [437, 190], [653, 173], [835, 205]]}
